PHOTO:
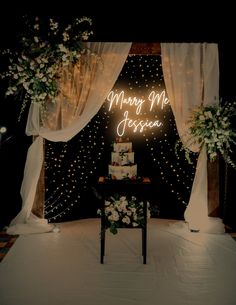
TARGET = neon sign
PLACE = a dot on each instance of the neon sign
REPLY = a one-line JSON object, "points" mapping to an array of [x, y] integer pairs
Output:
{"points": [[139, 123]]}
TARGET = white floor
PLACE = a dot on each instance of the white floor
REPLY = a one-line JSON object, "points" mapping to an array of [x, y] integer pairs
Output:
{"points": [[183, 268]]}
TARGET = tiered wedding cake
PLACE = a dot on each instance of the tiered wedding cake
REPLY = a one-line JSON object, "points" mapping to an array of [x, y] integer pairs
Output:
{"points": [[122, 161]]}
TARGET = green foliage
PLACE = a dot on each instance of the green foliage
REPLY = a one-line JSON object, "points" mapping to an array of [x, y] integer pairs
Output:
{"points": [[45, 48], [123, 213], [211, 126]]}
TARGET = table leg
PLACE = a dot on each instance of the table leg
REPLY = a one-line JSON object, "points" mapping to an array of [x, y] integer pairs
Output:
{"points": [[144, 234], [144, 246], [102, 250], [102, 236]]}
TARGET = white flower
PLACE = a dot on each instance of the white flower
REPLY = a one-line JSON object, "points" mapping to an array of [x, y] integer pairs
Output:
{"points": [[53, 24], [126, 219], [19, 68], [114, 216], [210, 126], [202, 118], [121, 212], [66, 36], [208, 114], [129, 213], [36, 26], [85, 35], [45, 48], [26, 85], [62, 48]]}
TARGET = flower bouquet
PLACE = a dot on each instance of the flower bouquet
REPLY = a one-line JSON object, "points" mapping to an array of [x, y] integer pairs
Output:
{"points": [[123, 213], [211, 126], [46, 48]]}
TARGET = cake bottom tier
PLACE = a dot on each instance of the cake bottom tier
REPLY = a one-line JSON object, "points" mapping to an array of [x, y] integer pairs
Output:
{"points": [[123, 172]]}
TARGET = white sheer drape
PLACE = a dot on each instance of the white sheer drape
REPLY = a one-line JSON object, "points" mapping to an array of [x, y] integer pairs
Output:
{"points": [[191, 74], [84, 89]]}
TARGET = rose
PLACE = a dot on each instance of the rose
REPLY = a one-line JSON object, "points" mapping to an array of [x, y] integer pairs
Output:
{"points": [[120, 212]]}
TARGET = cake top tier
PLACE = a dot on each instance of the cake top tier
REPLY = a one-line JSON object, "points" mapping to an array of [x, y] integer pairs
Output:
{"points": [[122, 147]]}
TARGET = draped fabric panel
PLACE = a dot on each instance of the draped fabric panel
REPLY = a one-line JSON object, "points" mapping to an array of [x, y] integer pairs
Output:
{"points": [[191, 74], [83, 90]]}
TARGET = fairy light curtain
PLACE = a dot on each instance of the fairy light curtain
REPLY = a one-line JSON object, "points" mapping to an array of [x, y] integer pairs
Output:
{"points": [[191, 74], [83, 91]]}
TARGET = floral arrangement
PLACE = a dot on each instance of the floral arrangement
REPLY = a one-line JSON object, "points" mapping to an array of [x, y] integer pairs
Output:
{"points": [[122, 213], [211, 126], [45, 48]]}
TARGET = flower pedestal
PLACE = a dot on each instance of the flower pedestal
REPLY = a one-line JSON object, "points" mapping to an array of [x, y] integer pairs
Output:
{"points": [[139, 188]]}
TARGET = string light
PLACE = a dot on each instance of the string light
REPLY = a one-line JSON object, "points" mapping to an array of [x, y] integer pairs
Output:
{"points": [[69, 170], [171, 174], [72, 168]]}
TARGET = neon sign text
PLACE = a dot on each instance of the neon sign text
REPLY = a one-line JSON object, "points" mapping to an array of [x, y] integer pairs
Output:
{"points": [[137, 125], [141, 105], [118, 98], [158, 99]]}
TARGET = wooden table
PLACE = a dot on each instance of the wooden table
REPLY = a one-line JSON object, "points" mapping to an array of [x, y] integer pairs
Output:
{"points": [[138, 188]]}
